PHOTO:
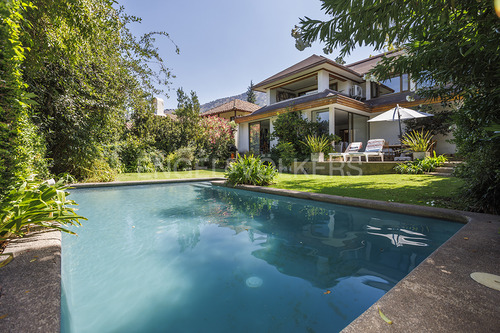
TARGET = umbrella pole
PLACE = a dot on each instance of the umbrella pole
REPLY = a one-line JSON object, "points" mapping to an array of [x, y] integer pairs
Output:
{"points": [[400, 130]]}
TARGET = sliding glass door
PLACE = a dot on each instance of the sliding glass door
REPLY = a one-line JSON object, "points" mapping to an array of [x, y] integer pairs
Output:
{"points": [[350, 127]]}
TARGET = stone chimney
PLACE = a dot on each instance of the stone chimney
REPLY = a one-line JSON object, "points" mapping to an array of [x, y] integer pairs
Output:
{"points": [[158, 106]]}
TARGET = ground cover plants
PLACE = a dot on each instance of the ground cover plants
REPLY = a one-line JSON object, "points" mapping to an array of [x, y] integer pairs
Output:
{"points": [[36, 203], [428, 164]]}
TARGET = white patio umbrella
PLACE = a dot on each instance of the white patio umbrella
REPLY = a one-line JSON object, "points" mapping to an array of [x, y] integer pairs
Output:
{"points": [[398, 113]]}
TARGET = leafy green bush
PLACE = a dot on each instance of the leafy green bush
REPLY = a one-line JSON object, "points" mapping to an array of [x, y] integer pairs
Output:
{"points": [[428, 164], [291, 127], [181, 160], [36, 203], [284, 153], [250, 170]]}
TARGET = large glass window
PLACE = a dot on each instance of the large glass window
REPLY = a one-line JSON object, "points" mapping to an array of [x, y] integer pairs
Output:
{"points": [[398, 83], [259, 137], [322, 117], [255, 137]]}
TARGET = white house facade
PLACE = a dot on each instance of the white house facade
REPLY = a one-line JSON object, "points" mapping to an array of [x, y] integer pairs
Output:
{"points": [[321, 89]]}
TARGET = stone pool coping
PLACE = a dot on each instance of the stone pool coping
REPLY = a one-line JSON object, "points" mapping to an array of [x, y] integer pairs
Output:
{"points": [[437, 296]]}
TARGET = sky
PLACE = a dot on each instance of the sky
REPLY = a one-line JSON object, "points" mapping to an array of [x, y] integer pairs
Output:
{"points": [[225, 44]]}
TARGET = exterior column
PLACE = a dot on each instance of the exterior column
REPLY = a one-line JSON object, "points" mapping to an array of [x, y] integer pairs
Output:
{"points": [[273, 142], [331, 117], [368, 90], [323, 80]]}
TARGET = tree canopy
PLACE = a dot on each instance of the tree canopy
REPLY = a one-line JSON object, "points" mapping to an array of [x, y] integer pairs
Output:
{"points": [[454, 46]]}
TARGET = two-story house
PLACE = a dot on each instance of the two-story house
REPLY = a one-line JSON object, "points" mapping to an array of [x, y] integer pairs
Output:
{"points": [[323, 90]]}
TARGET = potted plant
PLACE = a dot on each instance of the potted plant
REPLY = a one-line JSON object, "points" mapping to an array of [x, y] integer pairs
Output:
{"points": [[419, 143], [317, 145]]}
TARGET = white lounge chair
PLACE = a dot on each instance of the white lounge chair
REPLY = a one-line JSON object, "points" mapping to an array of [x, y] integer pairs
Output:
{"points": [[373, 149], [351, 148]]}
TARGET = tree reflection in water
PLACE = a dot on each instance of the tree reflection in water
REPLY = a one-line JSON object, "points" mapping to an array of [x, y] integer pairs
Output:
{"points": [[321, 243]]}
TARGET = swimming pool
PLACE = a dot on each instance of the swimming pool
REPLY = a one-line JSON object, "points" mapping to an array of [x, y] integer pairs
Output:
{"points": [[197, 258]]}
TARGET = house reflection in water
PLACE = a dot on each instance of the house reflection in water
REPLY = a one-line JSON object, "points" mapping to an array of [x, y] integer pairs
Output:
{"points": [[324, 243]]}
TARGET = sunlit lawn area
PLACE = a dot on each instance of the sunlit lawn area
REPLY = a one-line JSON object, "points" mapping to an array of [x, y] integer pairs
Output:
{"points": [[425, 190], [123, 177]]}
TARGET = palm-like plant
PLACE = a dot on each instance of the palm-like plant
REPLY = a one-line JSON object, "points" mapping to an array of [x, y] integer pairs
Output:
{"points": [[316, 144], [418, 141]]}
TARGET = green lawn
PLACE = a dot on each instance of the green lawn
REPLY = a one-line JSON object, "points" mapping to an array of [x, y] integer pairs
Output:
{"points": [[123, 177], [424, 190]]}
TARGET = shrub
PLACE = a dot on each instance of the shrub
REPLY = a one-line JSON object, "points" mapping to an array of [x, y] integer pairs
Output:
{"points": [[250, 170], [418, 141], [98, 171], [137, 157], [291, 127], [181, 160], [215, 139], [285, 153], [428, 164], [37, 203]]}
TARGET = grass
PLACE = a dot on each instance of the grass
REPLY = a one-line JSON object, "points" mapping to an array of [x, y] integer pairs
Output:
{"points": [[123, 177], [426, 190]]}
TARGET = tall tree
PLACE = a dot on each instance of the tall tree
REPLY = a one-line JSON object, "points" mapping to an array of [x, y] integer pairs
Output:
{"points": [[87, 71], [251, 94], [188, 116], [454, 45], [21, 147]]}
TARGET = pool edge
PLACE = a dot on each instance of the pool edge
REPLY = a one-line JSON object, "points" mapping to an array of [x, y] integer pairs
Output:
{"points": [[144, 182], [30, 284]]}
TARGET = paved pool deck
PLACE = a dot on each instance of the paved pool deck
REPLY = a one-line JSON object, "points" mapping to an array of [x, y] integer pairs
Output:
{"points": [[437, 296]]}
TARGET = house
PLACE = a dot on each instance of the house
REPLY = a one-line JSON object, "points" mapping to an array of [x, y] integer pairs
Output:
{"points": [[341, 95], [232, 109]]}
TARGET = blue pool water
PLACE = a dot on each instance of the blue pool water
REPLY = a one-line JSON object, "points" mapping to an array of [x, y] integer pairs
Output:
{"points": [[197, 258]]}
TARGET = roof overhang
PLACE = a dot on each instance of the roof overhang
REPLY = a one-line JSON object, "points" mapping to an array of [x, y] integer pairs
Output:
{"points": [[336, 99], [336, 71], [297, 105]]}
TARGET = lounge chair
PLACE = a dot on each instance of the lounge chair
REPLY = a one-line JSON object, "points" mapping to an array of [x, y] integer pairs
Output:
{"points": [[351, 148], [373, 148]]}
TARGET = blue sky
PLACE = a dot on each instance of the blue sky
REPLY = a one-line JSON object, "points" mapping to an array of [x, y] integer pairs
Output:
{"points": [[226, 43]]}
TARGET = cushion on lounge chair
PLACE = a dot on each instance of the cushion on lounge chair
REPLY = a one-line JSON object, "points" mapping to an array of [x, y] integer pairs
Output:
{"points": [[354, 147], [375, 145]]}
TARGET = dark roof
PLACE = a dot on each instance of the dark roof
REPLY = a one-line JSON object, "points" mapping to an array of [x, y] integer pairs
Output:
{"points": [[234, 105], [294, 101], [310, 62], [364, 66]]}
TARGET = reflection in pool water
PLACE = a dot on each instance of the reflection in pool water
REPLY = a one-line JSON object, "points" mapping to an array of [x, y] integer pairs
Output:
{"points": [[197, 258]]}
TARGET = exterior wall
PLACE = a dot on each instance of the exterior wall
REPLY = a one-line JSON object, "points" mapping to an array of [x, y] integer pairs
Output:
{"points": [[344, 87], [243, 138], [388, 130], [443, 146]]}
